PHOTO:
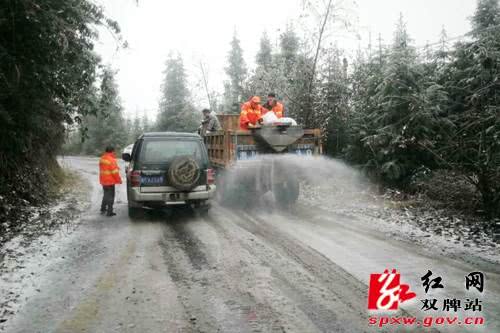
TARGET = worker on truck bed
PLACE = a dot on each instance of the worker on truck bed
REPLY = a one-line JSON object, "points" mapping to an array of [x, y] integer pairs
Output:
{"points": [[273, 105], [251, 113], [209, 124]]}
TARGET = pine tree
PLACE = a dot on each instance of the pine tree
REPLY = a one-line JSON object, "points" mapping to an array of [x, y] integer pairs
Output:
{"points": [[128, 128], [332, 100], [289, 48], [409, 103], [367, 76], [264, 55], [438, 58], [136, 128], [485, 18], [176, 112], [146, 125], [236, 71], [472, 142], [267, 75], [107, 128], [295, 68], [397, 120]]}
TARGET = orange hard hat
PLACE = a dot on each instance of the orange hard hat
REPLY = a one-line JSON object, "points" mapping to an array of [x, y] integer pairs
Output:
{"points": [[255, 99]]}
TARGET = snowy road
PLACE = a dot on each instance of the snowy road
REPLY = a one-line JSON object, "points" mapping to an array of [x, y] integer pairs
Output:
{"points": [[232, 271]]}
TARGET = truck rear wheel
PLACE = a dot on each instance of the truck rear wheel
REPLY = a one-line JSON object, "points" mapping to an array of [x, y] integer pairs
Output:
{"points": [[221, 193], [236, 193], [286, 193]]}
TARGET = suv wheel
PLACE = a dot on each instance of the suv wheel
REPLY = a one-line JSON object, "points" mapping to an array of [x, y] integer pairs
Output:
{"points": [[201, 208], [134, 212], [204, 211]]}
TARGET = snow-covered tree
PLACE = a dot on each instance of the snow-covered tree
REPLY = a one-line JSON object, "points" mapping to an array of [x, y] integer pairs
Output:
{"points": [[472, 144], [176, 112], [264, 56], [108, 126], [236, 70]]}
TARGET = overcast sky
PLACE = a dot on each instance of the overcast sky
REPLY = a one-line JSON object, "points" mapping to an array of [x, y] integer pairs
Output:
{"points": [[201, 30]]}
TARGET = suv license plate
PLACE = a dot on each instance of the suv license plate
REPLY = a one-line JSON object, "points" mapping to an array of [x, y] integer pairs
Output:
{"points": [[152, 180]]}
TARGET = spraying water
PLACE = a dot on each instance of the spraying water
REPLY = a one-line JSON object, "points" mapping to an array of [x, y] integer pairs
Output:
{"points": [[314, 180]]}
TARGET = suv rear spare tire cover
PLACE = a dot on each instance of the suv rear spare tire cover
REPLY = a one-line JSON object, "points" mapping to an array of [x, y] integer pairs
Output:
{"points": [[183, 173]]}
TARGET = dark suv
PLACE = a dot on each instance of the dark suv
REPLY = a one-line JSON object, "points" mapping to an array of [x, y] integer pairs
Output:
{"points": [[168, 168]]}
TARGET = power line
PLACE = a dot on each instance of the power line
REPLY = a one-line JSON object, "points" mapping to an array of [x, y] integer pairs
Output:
{"points": [[493, 27]]}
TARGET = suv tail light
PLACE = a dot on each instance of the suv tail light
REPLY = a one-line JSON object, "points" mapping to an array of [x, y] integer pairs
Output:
{"points": [[135, 178], [210, 176]]}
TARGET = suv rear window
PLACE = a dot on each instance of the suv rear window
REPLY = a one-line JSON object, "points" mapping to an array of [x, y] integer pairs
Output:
{"points": [[163, 150]]}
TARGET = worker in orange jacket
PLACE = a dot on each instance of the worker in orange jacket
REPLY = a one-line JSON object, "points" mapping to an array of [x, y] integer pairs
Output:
{"points": [[251, 113], [109, 176], [273, 105]]}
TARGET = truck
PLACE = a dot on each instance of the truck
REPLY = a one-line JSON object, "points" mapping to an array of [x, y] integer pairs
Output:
{"points": [[250, 164]]}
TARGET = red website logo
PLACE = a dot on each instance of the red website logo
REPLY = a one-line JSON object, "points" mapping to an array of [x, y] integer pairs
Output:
{"points": [[386, 291]]}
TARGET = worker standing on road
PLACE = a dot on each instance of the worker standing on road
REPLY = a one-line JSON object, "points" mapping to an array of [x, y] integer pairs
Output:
{"points": [[273, 105], [109, 176], [251, 113], [210, 123]]}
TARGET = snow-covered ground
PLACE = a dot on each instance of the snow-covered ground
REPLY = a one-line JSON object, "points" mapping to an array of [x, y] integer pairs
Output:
{"points": [[38, 235], [303, 270], [439, 231]]}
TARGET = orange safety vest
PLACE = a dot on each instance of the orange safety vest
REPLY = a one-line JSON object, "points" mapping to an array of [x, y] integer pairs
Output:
{"points": [[249, 115], [109, 172], [277, 109]]}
